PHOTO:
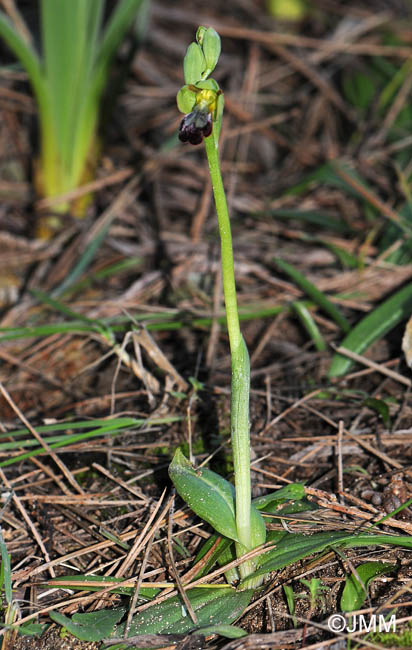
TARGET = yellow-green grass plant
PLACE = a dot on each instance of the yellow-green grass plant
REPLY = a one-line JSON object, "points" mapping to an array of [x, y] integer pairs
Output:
{"points": [[68, 78]]}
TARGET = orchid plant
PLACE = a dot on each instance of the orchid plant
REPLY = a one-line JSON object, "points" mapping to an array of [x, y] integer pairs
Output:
{"points": [[230, 512]]}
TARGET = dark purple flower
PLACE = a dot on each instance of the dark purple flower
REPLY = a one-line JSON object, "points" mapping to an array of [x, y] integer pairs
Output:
{"points": [[195, 126]]}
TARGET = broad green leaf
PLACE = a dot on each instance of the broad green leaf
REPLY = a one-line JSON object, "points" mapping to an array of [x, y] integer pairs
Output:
{"points": [[313, 292], [292, 547], [92, 626], [209, 495], [355, 592], [373, 327], [228, 631], [212, 606], [32, 629], [292, 492]]}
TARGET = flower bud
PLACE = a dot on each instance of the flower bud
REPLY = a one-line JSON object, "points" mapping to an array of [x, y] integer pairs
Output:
{"points": [[200, 34], [194, 64], [211, 48]]}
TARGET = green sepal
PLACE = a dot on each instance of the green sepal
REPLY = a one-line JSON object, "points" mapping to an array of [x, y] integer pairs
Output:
{"points": [[209, 495], [218, 117], [201, 31], [194, 64], [186, 100], [208, 84], [211, 49]]}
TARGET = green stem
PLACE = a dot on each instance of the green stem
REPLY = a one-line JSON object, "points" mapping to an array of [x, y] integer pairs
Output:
{"points": [[228, 272], [240, 363]]}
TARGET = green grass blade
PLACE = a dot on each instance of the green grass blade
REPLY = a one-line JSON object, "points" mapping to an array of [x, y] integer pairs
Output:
{"points": [[85, 260], [10, 333], [29, 60], [119, 22], [317, 296], [312, 217], [63, 309], [110, 428], [153, 322], [70, 33], [5, 577], [346, 259], [372, 327], [309, 324]]}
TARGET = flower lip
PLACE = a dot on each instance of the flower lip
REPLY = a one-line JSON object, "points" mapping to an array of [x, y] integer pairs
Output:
{"points": [[195, 126]]}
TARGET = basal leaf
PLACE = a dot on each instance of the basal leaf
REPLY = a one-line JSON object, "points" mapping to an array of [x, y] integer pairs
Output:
{"points": [[209, 495], [292, 547], [228, 631], [92, 626], [212, 606], [292, 492]]}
